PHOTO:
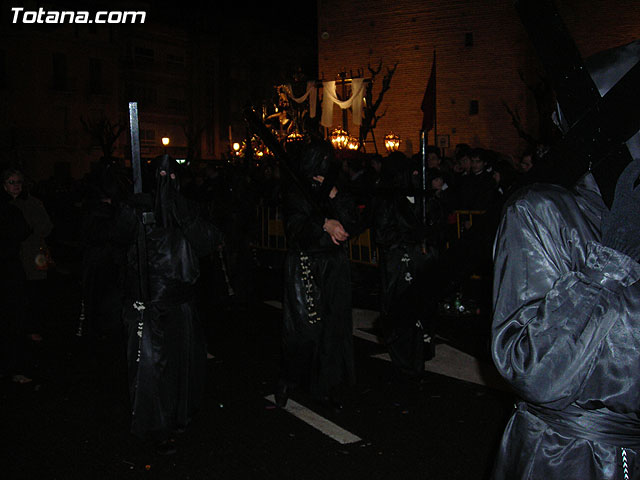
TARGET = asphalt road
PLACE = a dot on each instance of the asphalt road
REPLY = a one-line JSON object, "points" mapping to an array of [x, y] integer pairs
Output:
{"points": [[72, 422]]}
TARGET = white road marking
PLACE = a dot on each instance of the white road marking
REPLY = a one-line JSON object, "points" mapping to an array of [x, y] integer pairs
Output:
{"points": [[366, 336], [274, 303], [448, 360], [456, 364], [363, 318], [318, 422]]}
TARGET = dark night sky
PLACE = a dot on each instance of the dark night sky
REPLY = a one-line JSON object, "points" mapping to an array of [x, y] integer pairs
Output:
{"points": [[245, 25], [283, 16], [240, 25]]}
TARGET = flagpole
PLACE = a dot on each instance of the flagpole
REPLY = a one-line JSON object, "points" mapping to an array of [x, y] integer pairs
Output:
{"points": [[424, 140], [428, 108], [435, 93]]}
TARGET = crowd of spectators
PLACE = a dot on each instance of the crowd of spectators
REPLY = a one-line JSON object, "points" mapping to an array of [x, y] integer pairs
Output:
{"points": [[230, 193]]}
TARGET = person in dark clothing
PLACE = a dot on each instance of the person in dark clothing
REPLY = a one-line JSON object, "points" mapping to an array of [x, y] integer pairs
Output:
{"points": [[33, 252], [469, 255], [476, 189], [439, 208], [14, 231], [240, 229], [358, 182], [408, 256], [166, 348], [372, 170], [317, 345], [565, 322], [102, 260], [460, 170], [214, 290]]}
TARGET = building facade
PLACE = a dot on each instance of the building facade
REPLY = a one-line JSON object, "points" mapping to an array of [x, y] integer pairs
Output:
{"points": [[63, 88], [485, 63], [191, 67]]}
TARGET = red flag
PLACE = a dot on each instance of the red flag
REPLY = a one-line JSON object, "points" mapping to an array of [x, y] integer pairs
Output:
{"points": [[428, 106]]}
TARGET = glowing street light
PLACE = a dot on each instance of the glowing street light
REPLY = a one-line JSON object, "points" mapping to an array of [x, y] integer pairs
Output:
{"points": [[339, 139], [353, 143], [392, 142]]}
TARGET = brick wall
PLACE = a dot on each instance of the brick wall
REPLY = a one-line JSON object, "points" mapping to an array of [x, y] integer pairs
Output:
{"points": [[355, 33]]}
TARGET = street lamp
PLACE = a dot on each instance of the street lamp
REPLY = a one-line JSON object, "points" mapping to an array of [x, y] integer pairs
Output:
{"points": [[294, 137], [353, 143], [339, 139], [165, 141], [392, 142]]}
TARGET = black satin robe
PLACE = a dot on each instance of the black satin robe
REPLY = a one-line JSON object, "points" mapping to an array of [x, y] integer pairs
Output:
{"points": [[166, 349], [317, 343], [407, 275], [565, 336]]}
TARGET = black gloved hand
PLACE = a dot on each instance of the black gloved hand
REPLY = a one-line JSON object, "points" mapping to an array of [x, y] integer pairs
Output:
{"points": [[621, 226]]}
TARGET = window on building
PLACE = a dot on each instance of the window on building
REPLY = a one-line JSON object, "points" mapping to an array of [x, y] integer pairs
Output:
{"points": [[468, 39], [473, 107], [95, 75], [3, 69], [147, 136], [176, 104], [143, 55], [62, 170], [145, 96], [176, 61], [61, 125], [60, 71]]}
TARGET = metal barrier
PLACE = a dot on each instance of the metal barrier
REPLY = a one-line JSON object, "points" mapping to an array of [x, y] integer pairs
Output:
{"points": [[468, 214], [271, 235], [361, 249]]}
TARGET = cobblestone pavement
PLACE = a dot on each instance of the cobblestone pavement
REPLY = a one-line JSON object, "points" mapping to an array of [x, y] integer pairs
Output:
{"points": [[72, 421]]}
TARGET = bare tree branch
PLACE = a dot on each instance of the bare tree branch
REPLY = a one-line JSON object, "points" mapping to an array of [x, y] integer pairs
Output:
{"points": [[193, 133], [103, 133], [517, 123], [370, 119]]}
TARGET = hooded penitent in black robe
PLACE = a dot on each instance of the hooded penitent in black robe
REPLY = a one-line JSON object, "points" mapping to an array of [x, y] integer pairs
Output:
{"points": [[317, 344], [565, 336], [565, 327], [166, 350], [407, 268]]}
